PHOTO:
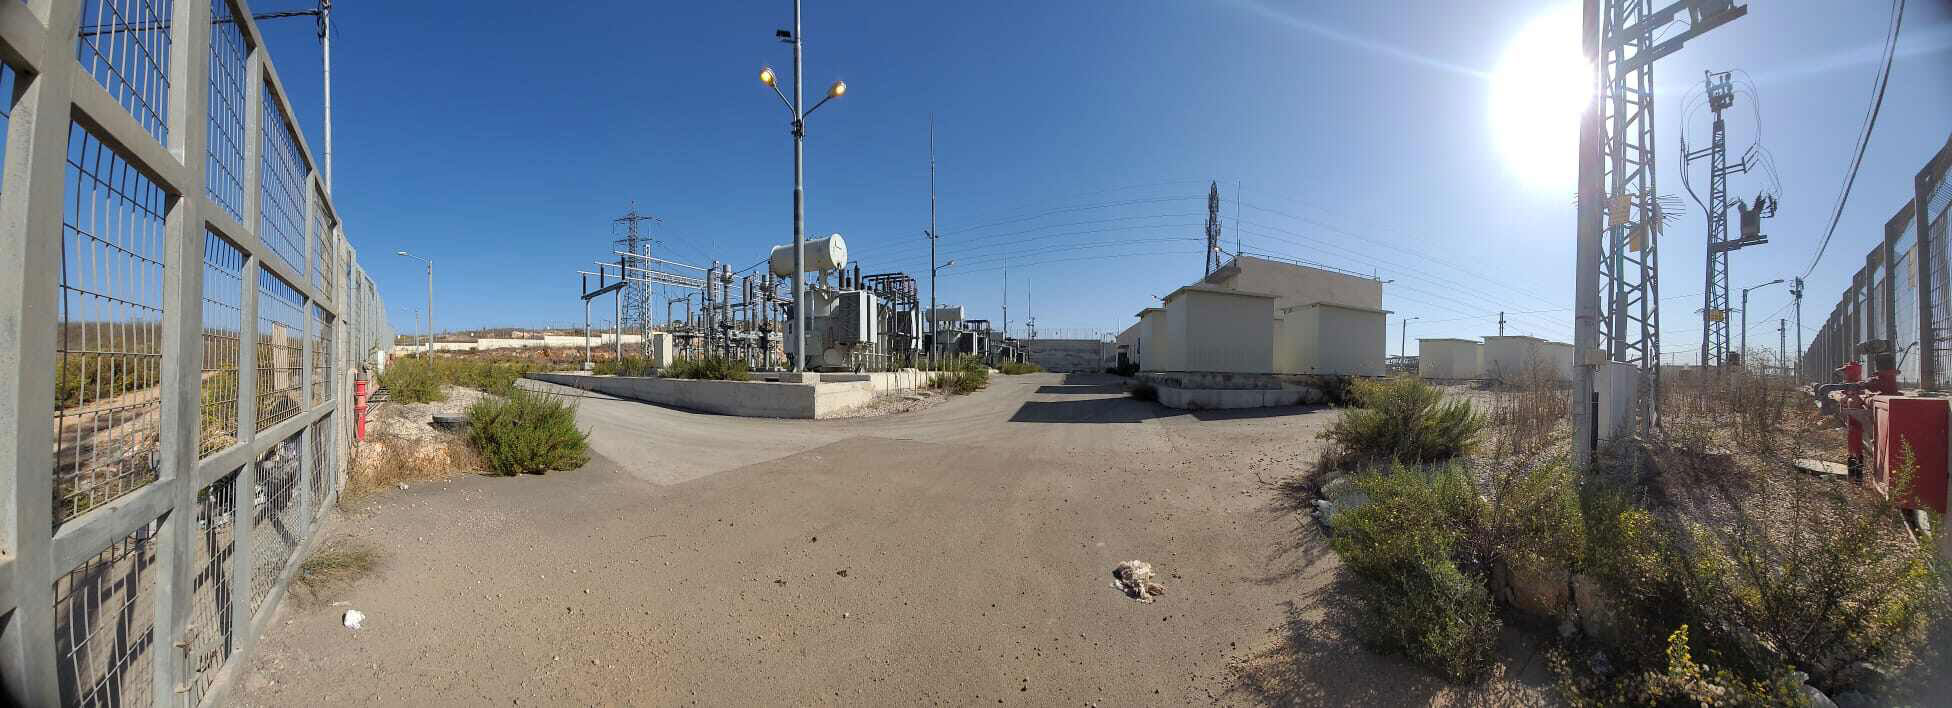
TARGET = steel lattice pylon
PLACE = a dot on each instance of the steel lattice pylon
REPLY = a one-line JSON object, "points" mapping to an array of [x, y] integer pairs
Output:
{"points": [[637, 306], [1630, 254], [1618, 310]]}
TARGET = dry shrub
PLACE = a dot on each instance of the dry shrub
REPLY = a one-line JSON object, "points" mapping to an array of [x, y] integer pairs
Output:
{"points": [[1527, 412], [381, 462], [335, 566]]}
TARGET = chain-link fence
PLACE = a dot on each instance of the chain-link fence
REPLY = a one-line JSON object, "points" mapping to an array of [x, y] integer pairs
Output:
{"points": [[183, 314]]}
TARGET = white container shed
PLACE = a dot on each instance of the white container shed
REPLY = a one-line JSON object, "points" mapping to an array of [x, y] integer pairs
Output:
{"points": [[1330, 339], [1507, 358], [1447, 358], [1150, 349], [1216, 329]]}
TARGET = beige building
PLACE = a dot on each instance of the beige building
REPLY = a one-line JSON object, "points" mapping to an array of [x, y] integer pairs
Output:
{"points": [[1210, 328], [1450, 359], [1508, 357], [1262, 316]]}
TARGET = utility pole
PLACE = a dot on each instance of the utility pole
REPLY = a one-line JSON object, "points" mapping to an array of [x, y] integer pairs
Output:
{"points": [[1006, 302], [935, 337], [1403, 340], [1617, 252], [1501, 323], [1745, 318], [1714, 295], [1212, 227], [1796, 291], [1782, 343]]}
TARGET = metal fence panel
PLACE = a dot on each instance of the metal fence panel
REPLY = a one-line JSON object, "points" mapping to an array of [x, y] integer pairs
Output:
{"points": [[177, 324]]}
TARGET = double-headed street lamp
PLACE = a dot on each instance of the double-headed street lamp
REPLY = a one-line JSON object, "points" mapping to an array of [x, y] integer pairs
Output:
{"points": [[1745, 318], [430, 298], [838, 89]]}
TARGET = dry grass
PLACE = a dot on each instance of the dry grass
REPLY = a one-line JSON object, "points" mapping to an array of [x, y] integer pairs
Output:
{"points": [[335, 566], [384, 462]]}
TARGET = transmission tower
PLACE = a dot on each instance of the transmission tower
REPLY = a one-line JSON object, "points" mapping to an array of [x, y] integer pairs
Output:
{"points": [[1714, 296], [1620, 212], [637, 308], [1212, 228]]}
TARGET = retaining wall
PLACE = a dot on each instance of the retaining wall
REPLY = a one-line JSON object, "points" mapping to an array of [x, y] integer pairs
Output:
{"points": [[833, 395]]}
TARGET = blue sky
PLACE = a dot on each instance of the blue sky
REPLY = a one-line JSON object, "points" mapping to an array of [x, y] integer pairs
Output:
{"points": [[501, 142]]}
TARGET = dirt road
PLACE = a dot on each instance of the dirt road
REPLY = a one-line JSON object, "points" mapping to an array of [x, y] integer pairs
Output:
{"points": [[959, 555]]}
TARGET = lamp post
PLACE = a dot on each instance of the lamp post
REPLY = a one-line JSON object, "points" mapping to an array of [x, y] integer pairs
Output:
{"points": [[1403, 340], [430, 298], [838, 89], [1745, 318]]}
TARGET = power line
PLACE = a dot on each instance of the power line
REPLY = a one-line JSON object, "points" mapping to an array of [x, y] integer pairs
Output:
{"points": [[1863, 138]]}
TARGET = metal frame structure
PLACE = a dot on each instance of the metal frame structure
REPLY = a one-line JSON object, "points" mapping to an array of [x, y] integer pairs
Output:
{"points": [[156, 207], [1714, 294], [1909, 303], [1618, 306]]}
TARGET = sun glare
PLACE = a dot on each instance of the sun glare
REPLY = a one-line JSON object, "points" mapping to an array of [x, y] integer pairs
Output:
{"points": [[1537, 91]]}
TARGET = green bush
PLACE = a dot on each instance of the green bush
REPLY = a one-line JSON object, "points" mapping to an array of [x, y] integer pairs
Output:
{"points": [[960, 375], [1143, 391], [527, 432], [1830, 588], [1126, 369], [1338, 389], [1402, 548], [710, 368], [412, 380], [1015, 368], [1403, 419]]}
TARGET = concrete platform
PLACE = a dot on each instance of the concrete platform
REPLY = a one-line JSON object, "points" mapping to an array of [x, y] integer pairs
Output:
{"points": [[829, 396], [1198, 390]]}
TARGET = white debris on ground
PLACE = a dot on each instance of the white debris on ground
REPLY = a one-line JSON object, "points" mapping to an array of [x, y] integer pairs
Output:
{"points": [[896, 402], [1134, 578], [355, 618]]}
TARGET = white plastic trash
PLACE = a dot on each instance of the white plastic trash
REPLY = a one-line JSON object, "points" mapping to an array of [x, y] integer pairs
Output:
{"points": [[354, 618]]}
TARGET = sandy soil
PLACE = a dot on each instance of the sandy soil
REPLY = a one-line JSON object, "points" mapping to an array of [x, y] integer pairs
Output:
{"points": [[960, 554]]}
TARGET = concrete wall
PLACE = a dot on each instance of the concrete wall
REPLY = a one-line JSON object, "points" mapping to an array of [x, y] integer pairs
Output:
{"points": [[1450, 359], [1211, 329], [755, 399], [1067, 355], [1330, 339], [1293, 285]]}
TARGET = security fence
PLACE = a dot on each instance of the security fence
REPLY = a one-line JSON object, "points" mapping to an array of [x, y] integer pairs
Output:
{"points": [[180, 319], [1902, 295]]}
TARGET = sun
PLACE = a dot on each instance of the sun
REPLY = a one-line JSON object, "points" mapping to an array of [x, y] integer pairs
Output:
{"points": [[1541, 84]]}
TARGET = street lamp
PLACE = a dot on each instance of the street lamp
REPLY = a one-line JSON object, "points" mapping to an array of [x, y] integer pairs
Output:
{"points": [[430, 298], [838, 89], [935, 337], [1403, 340], [1745, 317]]}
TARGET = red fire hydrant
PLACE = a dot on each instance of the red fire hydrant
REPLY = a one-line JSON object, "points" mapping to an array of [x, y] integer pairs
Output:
{"points": [[359, 404]]}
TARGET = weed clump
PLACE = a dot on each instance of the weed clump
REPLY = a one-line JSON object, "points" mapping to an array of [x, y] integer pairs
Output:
{"points": [[1016, 368], [1143, 391], [1403, 419], [527, 432], [710, 368], [961, 375], [627, 366]]}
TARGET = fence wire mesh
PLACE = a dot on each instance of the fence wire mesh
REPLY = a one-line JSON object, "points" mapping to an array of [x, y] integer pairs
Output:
{"points": [[223, 327], [125, 45], [321, 355], [108, 376], [224, 167], [104, 629], [281, 205], [275, 525], [281, 349], [208, 635]]}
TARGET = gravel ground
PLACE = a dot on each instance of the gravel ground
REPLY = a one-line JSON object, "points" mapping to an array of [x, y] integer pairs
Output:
{"points": [[960, 554]]}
